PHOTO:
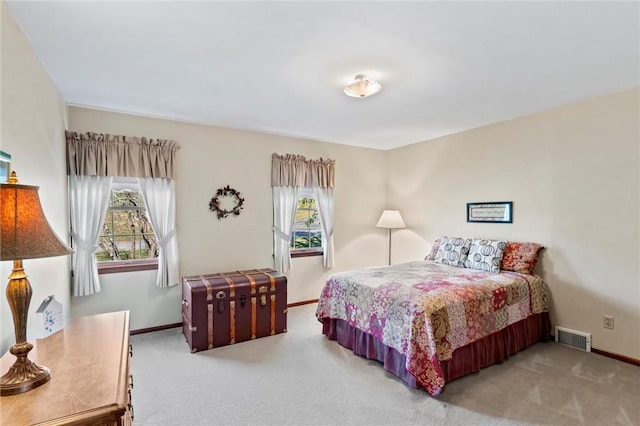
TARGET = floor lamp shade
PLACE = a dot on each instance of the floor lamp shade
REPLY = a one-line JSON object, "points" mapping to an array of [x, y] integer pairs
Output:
{"points": [[391, 219], [24, 234]]}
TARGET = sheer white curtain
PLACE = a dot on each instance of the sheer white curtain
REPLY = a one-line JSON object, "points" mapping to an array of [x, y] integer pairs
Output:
{"points": [[322, 178], [324, 198], [89, 200], [288, 173], [285, 199], [160, 197], [101, 157]]}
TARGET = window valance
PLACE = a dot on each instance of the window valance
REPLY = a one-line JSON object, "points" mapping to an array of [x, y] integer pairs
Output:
{"points": [[289, 173], [296, 170], [98, 154]]}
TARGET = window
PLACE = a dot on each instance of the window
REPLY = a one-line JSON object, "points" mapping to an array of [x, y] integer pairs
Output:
{"points": [[127, 237], [306, 238]]}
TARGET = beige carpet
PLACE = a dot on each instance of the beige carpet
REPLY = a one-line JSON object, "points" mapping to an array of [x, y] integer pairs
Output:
{"points": [[301, 377]]}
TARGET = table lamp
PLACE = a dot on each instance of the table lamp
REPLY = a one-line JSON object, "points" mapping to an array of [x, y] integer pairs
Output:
{"points": [[24, 234], [391, 219]]}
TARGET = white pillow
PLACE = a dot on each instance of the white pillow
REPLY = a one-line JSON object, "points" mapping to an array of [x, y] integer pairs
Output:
{"points": [[485, 255], [453, 251]]}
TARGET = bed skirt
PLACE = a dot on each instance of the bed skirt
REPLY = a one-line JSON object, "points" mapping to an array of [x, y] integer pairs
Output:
{"points": [[493, 349]]}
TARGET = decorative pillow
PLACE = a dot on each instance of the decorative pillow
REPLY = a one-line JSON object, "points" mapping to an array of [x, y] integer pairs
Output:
{"points": [[485, 255], [520, 257], [434, 250], [453, 251]]}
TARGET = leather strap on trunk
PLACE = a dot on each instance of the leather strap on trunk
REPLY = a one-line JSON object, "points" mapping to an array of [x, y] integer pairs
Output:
{"points": [[253, 317], [273, 314], [232, 322], [210, 325], [272, 280]]}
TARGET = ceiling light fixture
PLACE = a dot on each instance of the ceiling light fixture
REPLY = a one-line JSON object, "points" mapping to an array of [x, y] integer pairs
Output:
{"points": [[362, 87]]}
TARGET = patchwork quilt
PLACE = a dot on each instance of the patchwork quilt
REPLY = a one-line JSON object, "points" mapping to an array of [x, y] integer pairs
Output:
{"points": [[426, 310]]}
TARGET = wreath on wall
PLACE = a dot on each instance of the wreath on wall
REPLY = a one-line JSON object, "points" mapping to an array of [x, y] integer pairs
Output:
{"points": [[217, 204]]}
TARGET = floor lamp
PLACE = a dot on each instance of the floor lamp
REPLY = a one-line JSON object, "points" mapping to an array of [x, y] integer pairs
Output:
{"points": [[391, 219], [25, 234]]}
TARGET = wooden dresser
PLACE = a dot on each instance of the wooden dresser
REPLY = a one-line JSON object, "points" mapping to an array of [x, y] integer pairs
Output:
{"points": [[90, 380]]}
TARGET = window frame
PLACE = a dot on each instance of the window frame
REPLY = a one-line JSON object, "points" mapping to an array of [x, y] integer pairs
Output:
{"points": [[129, 265], [307, 192]]}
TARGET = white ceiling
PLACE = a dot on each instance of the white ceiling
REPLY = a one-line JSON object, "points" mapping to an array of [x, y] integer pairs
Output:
{"points": [[279, 67]]}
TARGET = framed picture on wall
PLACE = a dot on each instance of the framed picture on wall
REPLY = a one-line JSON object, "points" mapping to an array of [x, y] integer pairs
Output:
{"points": [[5, 166], [490, 212]]}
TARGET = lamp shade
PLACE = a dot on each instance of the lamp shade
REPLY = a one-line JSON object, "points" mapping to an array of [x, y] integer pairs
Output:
{"points": [[391, 219], [24, 231]]}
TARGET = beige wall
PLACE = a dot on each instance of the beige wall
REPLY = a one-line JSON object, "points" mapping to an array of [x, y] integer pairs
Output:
{"points": [[32, 130], [212, 157], [572, 174]]}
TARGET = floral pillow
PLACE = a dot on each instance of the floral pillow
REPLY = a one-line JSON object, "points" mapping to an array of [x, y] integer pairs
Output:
{"points": [[453, 251], [485, 255], [434, 250], [520, 257]]}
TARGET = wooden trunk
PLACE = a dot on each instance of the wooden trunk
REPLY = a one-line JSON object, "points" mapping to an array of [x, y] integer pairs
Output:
{"points": [[226, 308]]}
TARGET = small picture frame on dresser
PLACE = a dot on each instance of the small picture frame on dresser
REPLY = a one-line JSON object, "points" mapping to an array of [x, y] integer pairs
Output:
{"points": [[5, 166]]}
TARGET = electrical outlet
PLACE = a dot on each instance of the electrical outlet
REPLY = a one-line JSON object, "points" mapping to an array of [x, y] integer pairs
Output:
{"points": [[608, 321]]}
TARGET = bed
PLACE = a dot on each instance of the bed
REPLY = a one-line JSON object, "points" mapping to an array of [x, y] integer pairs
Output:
{"points": [[429, 322]]}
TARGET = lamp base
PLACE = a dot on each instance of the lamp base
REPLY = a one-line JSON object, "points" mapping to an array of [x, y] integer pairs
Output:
{"points": [[24, 374]]}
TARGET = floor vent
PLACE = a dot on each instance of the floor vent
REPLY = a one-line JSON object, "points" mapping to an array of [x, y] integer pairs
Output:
{"points": [[575, 339]]}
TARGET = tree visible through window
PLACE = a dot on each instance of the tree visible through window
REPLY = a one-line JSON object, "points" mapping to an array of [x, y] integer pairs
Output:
{"points": [[307, 231], [127, 233]]}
